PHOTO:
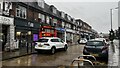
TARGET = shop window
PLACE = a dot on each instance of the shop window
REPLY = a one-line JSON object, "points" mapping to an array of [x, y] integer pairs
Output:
{"points": [[35, 37], [21, 12], [18, 33]]}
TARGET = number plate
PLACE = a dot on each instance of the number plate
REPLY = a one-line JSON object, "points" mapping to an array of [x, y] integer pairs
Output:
{"points": [[40, 45], [96, 55]]}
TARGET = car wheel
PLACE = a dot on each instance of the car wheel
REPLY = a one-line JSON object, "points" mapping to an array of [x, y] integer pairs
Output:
{"points": [[53, 50], [65, 48]]}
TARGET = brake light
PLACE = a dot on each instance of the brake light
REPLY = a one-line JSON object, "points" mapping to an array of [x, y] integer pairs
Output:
{"points": [[47, 44]]}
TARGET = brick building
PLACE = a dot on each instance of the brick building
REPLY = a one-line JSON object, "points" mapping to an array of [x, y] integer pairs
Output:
{"points": [[25, 22]]}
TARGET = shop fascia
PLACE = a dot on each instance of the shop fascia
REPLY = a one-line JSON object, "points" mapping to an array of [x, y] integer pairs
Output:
{"points": [[70, 30], [6, 20], [60, 29]]}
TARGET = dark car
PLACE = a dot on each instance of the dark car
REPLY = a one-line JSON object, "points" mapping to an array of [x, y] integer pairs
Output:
{"points": [[96, 48]]}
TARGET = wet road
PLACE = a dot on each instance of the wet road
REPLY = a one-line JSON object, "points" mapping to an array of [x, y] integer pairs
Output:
{"points": [[59, 58]]}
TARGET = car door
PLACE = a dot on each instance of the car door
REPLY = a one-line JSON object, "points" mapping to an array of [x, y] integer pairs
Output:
{"points": [[55, 42], [61, 43]]}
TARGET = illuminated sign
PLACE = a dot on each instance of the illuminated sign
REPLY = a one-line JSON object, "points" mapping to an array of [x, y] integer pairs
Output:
{"points": [[35, 37]]}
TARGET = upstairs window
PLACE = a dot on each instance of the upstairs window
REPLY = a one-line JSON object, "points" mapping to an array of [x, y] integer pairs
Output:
{"points": [[54, 11], [41, 3], [68, 17], [80, 23], [48, 19], [63, 24], [63, 14], [21, 12], [41, 17], [0, 7]]}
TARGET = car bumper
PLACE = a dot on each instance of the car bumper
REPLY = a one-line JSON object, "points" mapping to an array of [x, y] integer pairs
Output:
{"points": [[101, 55], [42, 48]]}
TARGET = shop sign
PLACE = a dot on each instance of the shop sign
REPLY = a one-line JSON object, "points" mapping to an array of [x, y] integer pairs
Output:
{"points": [[35, 37], [69, 30], [30, 24], [60, 29], [73, 31], [6, 20]]}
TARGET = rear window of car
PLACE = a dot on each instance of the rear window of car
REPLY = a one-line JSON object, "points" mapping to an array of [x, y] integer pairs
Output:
{"points": [[54, 40], [95, 43], [43, 40]]}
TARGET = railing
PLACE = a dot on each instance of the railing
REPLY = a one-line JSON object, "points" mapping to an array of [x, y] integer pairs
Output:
{"points": [[81, 59]]}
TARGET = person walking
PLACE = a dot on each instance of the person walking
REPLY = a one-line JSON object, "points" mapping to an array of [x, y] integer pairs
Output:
{"points": [[78, 41]]}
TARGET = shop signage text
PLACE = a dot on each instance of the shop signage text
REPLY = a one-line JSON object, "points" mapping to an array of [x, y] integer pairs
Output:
{"points": [[30, 24], [60, 29], [69, 30], [6, 20]]}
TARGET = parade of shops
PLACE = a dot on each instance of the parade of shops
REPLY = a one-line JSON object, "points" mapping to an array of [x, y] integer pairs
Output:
{"points": [[23, 23]]}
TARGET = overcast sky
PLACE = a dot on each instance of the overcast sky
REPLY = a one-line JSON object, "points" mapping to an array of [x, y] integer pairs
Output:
{"points": [[94, 12]]}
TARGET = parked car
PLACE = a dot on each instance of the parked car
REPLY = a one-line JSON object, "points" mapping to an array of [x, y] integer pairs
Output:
{"points": [[83, 41], [97, 48], [50, 44]]}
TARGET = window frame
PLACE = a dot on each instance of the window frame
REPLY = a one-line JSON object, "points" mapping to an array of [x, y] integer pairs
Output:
{"points": [[54, 41], [22, 10]]}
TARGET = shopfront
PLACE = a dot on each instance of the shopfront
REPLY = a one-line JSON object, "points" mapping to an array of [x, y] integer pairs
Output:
{"points": [[7, 33], [76, 37], [69, 35], [61, 33], [26, 33]]}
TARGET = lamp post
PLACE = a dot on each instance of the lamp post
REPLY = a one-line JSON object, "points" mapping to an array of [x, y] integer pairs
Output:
{"points": [[111, 34], [111, 11], [111, 17]]}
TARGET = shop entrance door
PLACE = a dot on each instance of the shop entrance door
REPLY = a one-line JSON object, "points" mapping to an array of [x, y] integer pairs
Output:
{"points": [[25, 44], [23, 41], [4, 36]]}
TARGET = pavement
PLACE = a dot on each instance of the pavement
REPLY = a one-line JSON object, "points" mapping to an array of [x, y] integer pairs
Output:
{"points": [[60, 58], [15, 54], [114, 55]]}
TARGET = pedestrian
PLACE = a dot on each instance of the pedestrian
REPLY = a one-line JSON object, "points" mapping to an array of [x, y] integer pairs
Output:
{"points": [[78, 41]]}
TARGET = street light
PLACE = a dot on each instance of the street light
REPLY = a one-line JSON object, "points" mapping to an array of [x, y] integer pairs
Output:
{"points": [[111, 11], [111, 34], [111, 15]]}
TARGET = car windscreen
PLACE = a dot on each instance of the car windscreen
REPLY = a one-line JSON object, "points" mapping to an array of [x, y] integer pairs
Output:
{"points": [[43, 40], [95, 43]]}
